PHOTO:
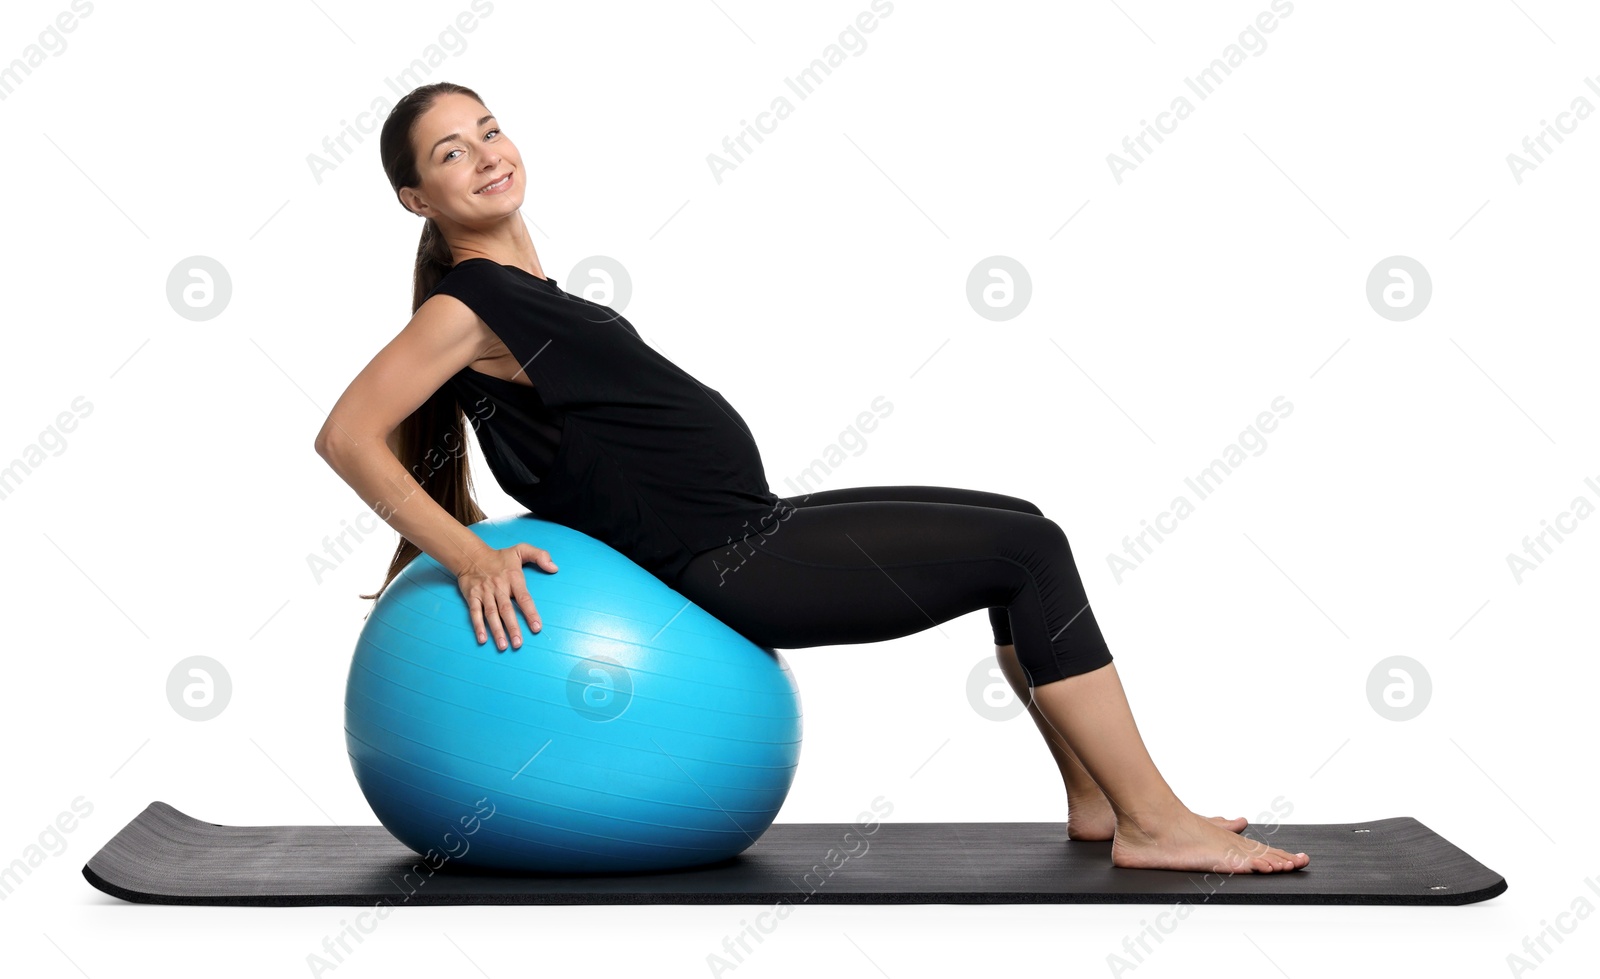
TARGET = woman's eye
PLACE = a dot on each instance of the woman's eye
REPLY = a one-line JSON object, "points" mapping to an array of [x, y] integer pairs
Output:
{"points": [[486, 135]]}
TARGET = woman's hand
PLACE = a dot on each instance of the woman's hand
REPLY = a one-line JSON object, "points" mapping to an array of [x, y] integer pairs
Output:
{"points": [[492, 584]]}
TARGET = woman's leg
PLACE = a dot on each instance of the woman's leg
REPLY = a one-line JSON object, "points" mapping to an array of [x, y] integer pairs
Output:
{"points": [[999, 620], [854, 572], [1006, 550], [1089, 813], [1154, 830]]}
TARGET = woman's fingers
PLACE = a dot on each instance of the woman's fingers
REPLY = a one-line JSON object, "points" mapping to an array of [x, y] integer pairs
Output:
{"points": [[493, 596], [508, 615], [475, 612], [538, 555], [525, 600], [484, 608], [493, 614]]}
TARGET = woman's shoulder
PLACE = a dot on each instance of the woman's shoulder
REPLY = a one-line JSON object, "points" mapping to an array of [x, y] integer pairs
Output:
{"points": [[477, 263], [473, 268], [469, 277]]}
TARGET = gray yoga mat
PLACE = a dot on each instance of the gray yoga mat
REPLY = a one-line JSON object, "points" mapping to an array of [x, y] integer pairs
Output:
{"points": [[166, 857]]}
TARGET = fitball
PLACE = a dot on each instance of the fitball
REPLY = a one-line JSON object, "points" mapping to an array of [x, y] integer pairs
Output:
{"points": [[634, 732]]}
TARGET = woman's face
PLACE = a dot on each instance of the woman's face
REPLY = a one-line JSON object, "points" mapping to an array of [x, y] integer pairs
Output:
{"points": [[471, 171]]}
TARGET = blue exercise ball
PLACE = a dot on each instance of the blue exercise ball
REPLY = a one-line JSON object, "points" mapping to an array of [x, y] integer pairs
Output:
{"points": [[634, 732]]}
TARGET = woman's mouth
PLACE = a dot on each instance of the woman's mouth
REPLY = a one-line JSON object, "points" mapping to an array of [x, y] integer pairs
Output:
{"points": [[499, 186]]}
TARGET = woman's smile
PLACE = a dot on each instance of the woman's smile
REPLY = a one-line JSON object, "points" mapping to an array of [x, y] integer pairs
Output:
{"points": [[498, 187]]}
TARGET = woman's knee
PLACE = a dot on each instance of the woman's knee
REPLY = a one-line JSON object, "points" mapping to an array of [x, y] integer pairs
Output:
{"points": [[1016, 503], [1027, 507], [1042, 539]]}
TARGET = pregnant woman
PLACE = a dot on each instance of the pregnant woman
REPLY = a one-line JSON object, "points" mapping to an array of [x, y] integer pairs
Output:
{"points": [[587, 425]]}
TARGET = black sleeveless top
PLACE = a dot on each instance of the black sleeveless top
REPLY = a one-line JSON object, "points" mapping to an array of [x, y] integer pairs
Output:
{"points": [[613, 439]]}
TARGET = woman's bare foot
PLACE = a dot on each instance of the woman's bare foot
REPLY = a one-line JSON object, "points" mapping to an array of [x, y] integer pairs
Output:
{"points": [[1090, 711], [1189, 841], [1094, 819]]}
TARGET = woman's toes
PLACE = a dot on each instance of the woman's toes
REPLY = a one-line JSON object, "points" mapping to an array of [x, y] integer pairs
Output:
{"points": [[1234, 825]]}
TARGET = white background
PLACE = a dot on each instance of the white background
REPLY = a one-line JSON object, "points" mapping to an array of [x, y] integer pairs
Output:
{"points": [[1228, 269]]}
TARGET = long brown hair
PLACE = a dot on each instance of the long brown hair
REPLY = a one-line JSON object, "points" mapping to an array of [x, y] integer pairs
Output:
{"points": [[439, 422]]}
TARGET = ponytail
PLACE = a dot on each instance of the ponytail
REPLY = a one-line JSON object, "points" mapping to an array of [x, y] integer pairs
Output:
{"points": [[438, 428]]}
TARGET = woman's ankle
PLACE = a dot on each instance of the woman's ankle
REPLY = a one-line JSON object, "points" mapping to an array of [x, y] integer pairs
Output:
{"points": [[1151, 818]]}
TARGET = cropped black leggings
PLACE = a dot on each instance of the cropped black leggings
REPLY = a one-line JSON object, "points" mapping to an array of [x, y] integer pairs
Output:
{"points": [[865, 564]]}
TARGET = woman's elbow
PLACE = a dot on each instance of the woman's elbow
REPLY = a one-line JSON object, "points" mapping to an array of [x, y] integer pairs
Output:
{"points": [[324, 443]]}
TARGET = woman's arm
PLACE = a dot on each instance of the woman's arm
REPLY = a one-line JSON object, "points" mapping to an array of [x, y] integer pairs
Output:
{"points": [[360, 439]]}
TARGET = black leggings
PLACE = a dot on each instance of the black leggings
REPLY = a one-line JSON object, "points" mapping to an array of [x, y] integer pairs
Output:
{"points": [[870, 563]]}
